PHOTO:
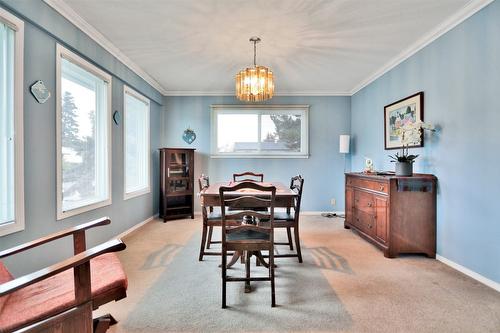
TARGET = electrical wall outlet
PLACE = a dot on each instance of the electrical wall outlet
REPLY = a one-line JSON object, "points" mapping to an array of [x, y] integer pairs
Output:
{"points": [[333, 202]]}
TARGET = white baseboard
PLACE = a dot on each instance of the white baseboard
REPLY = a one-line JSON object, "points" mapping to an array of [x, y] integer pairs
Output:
{"points": [[314, 212], [137, 226], [470, 273]]}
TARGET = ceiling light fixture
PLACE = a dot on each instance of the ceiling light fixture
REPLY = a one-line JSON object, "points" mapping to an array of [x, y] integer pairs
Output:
{"points": [[257, 83]]}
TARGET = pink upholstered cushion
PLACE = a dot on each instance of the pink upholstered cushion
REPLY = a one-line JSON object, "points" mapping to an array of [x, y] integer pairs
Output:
{"points": [[55, 294], [5, 276]]}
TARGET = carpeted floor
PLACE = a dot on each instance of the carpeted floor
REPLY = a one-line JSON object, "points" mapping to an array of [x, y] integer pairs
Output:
{"points": [[344, 285]]}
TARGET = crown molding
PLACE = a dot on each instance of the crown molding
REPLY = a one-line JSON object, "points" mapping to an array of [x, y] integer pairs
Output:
{"points": [[313, 93], [67, 12], [180, 93], [467, 11]]}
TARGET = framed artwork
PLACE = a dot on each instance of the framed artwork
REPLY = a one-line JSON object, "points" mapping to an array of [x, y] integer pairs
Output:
{"points": [[400, 113]]}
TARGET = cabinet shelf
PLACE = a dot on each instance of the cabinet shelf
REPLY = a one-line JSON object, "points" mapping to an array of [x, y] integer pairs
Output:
{"points": [[179, 193], [178, 207]]}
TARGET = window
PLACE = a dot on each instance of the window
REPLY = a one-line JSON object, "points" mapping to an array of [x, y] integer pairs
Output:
{"points": [[260, 131], [11, 124], [136, 143], [83, 135]]}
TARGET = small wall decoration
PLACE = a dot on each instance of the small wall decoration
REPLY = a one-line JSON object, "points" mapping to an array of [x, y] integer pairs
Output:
{"points": [[40, 92], [116, 117], [404, 112], [189, 136]]}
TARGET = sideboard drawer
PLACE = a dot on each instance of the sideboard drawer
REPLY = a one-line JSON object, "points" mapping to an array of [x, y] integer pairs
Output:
{"points": [[364, 201], [368, 184], [365, 222]]}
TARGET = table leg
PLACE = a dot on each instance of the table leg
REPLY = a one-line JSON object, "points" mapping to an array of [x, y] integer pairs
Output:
{"points": [[234, 259], [247, 269], [260, 259]]}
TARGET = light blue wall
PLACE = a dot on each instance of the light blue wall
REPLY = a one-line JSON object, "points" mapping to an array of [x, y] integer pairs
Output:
{"points": [[40, 139], [460, 76], [323, 170]]}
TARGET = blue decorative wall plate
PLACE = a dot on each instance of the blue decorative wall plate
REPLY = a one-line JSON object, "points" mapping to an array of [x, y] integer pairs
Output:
{"points": [[189, 136], [116, 117], [40, 92]]}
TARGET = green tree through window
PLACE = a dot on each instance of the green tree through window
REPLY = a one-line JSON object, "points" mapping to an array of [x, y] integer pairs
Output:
{"points": [[287, 131]]}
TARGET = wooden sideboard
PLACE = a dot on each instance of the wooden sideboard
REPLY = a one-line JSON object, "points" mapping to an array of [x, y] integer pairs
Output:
{"points": [[396, 214]]}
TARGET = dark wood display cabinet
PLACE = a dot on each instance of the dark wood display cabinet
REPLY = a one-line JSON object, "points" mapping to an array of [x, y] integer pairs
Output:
{"points": [[176, 183]]}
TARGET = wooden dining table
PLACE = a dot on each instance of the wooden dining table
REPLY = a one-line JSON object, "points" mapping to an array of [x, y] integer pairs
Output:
{"points": [[284, 195], [210, 197]]}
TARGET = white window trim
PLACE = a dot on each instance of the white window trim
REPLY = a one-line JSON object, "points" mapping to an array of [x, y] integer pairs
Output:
{"points": [[18, 26], [129, 195], [227, 108], [62, 52]]}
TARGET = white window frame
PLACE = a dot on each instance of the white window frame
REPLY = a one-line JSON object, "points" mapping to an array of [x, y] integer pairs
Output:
{"points": [[18, 26], [260, 110], [62, 52], [129, 91]]}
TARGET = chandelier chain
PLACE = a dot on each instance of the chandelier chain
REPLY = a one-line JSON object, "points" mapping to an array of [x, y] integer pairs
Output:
{"points": [[255, 53]]}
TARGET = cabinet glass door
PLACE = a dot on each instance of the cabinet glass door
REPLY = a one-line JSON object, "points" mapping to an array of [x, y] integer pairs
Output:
{"points": [[178, 172]]}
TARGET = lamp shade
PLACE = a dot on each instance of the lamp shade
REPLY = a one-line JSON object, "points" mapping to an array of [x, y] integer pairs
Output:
{"points": [[344, 144]]}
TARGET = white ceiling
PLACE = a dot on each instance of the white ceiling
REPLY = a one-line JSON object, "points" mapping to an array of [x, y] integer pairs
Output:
{"points": [[314, 47]]}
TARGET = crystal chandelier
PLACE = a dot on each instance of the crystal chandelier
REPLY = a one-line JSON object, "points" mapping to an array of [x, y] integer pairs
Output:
{"points": [[254, 84]]}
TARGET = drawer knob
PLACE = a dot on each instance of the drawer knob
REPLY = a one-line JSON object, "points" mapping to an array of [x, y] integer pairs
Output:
{"points": [[369, 204], [381, 187]]}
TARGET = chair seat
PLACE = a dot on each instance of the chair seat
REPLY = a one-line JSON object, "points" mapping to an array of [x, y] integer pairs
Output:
{"points": [[255, 209], [284, 216], [214, 216], [56, 294], [247, 235]]}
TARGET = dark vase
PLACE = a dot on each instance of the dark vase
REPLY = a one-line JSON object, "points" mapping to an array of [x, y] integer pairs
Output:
{"points": [[404, 169]]}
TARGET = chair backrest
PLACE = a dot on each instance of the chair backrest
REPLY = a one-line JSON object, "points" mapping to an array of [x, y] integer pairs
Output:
{"points": [[296, 185], [248, 176], [231, 198], [203, 182]]}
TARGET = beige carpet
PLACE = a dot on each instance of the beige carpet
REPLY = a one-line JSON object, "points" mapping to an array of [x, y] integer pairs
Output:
{"points": [[344, 285]]}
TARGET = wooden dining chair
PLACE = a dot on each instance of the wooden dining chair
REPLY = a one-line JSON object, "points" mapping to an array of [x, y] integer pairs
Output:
{"points": [[290, 220], [211, 219], [248, 176], [251, 238]]}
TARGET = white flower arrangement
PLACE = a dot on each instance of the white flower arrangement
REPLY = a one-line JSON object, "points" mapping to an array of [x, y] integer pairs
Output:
{"points": [[410, 135]]}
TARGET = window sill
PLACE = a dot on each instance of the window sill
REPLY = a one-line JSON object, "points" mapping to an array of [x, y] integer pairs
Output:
{"points": [[10, 228], [258, 156], [135, 194], [75, 211]]}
